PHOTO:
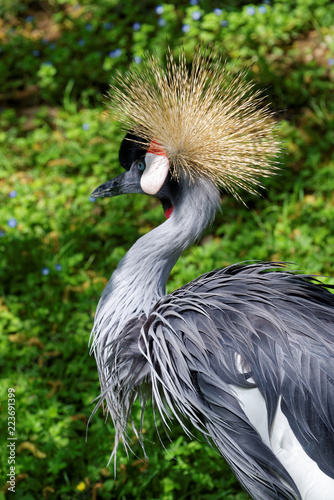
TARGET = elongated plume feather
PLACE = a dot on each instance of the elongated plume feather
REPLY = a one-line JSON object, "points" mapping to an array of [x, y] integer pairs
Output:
{"points": [[210, 122]]}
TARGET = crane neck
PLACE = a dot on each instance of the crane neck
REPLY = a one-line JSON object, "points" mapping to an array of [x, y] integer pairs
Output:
{"points": [[141, 276], [160, 249]]}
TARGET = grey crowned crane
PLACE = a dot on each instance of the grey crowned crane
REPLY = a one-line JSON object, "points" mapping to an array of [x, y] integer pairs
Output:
{"points": [[245, 354]]}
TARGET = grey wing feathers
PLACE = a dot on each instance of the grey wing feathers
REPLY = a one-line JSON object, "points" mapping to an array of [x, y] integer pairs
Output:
{"points": [[282, 326]]}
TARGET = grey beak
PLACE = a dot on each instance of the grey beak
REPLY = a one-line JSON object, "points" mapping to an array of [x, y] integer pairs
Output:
{"points": [[110, 188], [127, 182]]}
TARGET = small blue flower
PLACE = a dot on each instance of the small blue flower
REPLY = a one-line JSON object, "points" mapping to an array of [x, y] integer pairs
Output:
{"points": [[2, 233], [108, 26], [136, 27], [81, 42], [193, 2], [218, 12], [92, 199], [159, 10], [137, 59], [85, 126], [89, 27], [12, 194], [267, 2], [330, 61], [29, 19], [45, 41], [162, 22], [250, 11], [36, 53], [185, 28], [115, 53], [58, 267], [12, 222], [262, 9], [224, 23], [196, 15], [45, 271], [47, 63], [52, 46]]}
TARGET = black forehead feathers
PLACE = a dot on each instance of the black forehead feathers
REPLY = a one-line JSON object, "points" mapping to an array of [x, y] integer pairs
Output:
{"points": [[130, 150]]}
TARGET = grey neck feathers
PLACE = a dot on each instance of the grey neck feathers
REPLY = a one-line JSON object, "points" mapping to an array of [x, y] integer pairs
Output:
{"points": [[141, 276]]}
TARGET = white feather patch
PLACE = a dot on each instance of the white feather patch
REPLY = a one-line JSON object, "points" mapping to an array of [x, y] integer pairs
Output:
{"points": [[155, 174], [312, 483]]}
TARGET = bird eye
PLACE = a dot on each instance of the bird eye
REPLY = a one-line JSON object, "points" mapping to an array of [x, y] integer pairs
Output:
{"points": [[141, 165]]}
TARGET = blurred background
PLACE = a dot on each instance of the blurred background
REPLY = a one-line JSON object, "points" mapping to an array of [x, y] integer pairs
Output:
{"points": [[58, 246]]}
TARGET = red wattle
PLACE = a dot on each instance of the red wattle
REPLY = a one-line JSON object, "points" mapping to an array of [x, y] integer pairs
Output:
{"points": [[169, 212]]}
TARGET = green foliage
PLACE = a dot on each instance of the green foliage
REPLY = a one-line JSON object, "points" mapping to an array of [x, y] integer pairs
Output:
{"points": [[58, 248], [49, 50]]}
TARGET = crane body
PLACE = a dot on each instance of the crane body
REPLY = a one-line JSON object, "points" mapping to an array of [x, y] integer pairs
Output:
{"points": [[245, 354]]}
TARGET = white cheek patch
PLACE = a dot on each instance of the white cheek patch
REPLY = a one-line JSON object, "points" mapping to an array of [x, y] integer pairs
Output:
{"points": [[155, 173]]}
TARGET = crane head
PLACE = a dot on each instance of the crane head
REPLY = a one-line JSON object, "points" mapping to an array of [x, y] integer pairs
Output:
{"points": [[147, 171], [189, 122]]}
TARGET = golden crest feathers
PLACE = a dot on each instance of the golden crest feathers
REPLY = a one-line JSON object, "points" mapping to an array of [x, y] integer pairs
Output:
{"points": [[210, 122]]}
